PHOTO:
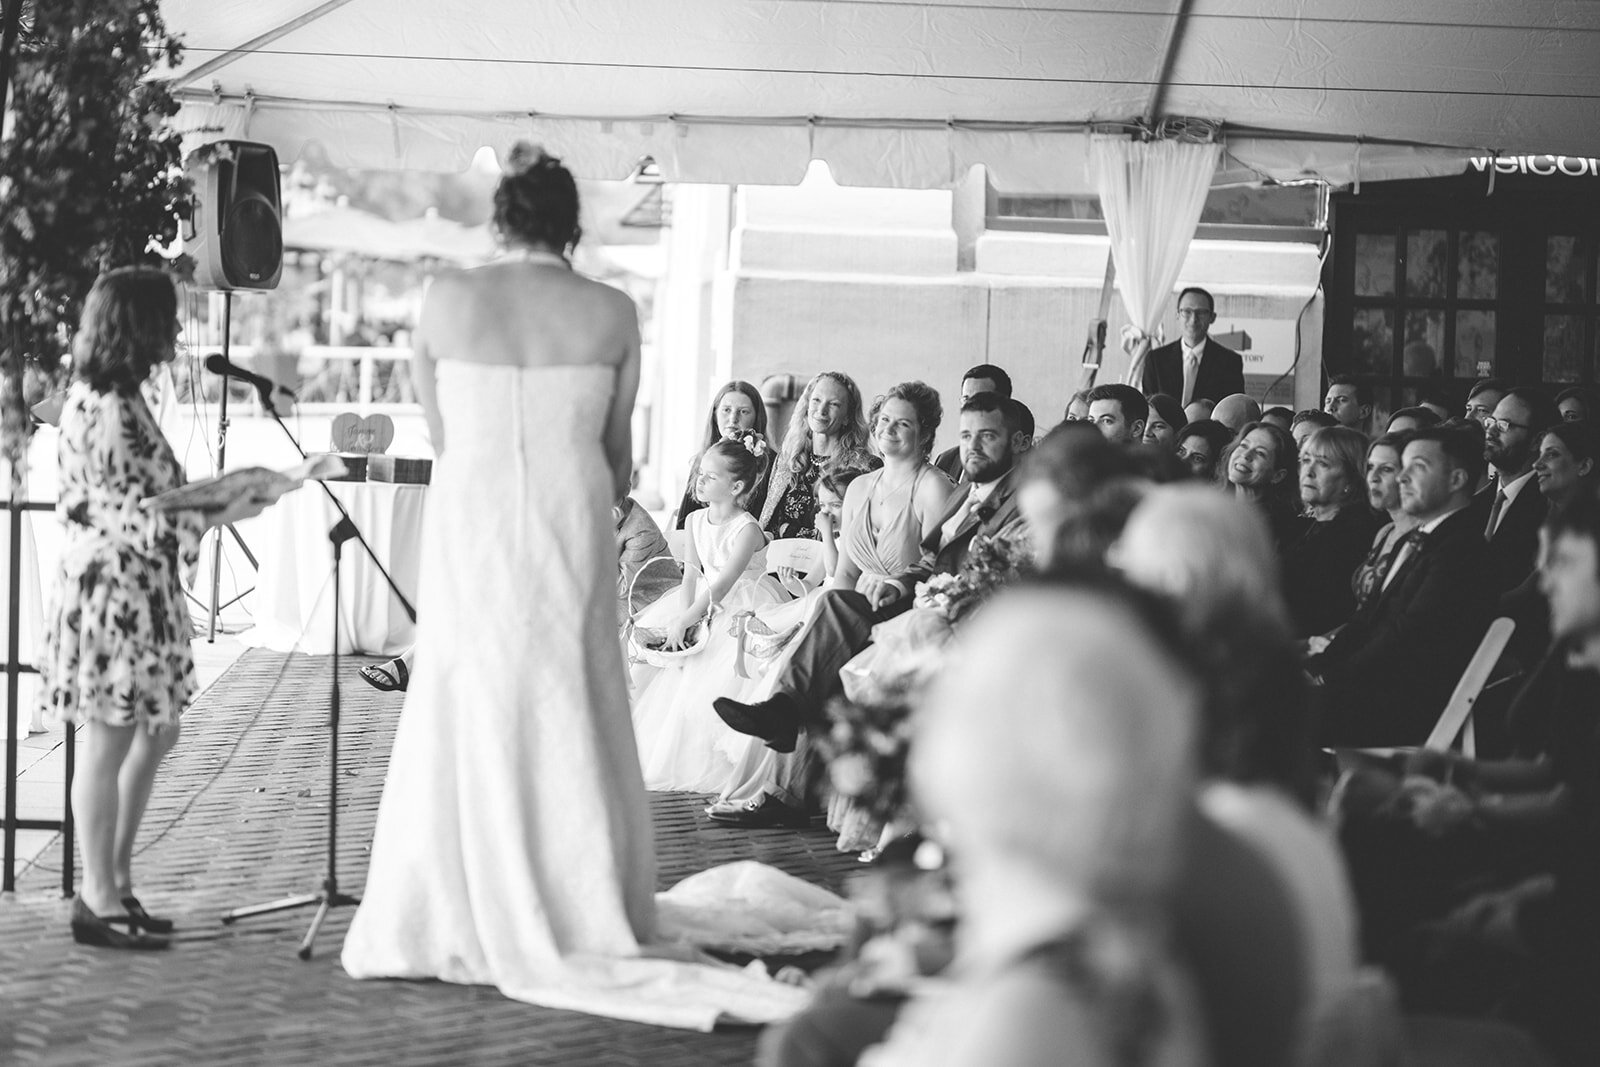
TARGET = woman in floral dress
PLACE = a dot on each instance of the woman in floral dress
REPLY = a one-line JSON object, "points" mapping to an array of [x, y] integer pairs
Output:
{"points": [[117, 657]]}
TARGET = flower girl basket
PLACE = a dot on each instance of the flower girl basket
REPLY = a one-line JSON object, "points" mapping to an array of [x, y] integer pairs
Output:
{"points": [[644, 642]]}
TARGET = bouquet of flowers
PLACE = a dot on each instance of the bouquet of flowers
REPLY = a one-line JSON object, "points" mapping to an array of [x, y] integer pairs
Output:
{"points": [[866, 752], [992, 563]]}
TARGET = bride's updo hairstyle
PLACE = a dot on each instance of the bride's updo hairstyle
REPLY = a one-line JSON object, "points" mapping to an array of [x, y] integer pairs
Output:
{"points": [[536, 201]]}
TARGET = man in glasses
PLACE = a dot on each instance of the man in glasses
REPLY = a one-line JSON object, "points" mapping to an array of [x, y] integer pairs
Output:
{"points": [[1194, 367], [1511, 506]]}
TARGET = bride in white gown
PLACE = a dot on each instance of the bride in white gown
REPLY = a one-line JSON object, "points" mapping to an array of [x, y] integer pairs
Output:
{"points": [[513, 844]]}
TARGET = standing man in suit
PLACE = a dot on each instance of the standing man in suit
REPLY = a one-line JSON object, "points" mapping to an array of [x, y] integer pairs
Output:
{"points": [[984, 378], [986, 506], [1511, 505], [1388, 672], [1194, 367]]}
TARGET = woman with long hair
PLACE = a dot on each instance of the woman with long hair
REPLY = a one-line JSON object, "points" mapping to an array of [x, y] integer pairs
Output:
{"points": [[117, 660], [737, 408], [1261, 469], [1318, 566], [1566, 462], [829, 427]]}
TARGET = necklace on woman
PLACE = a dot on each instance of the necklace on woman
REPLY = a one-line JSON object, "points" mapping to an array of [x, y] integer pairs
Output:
{"points": [[536, 255]]}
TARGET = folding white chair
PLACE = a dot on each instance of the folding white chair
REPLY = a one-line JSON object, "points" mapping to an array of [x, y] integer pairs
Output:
{"points": [[1456, 719], [676, 542]]}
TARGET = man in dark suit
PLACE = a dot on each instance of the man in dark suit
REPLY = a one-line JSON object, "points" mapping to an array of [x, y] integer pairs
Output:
{"points": [[984, 378], [1388, 672], [1194, 367], [986, 506], [1511, 506]]}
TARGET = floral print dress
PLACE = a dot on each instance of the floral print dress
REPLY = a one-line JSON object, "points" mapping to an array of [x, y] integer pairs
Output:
{"points": [[117, 630]]}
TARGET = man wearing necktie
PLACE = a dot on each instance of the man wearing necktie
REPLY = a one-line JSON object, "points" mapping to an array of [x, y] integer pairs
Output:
{"points": [[987, 507], [1194, 367], [1387, 673], [1511, 506]]}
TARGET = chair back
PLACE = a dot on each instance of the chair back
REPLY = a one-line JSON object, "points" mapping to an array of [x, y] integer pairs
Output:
{"points": [[1456, 720], [677, 542]]}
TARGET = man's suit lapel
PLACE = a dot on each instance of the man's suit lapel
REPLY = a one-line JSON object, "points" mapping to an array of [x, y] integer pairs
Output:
{"points": [[958, 500], [998, 499], [1419, 557]]}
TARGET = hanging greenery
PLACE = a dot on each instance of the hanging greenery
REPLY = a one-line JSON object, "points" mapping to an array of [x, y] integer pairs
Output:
{"points": [[90, 178]]}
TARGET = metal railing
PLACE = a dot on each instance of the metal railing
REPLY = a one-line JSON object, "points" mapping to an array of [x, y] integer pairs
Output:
{"points": [[15, 669]]}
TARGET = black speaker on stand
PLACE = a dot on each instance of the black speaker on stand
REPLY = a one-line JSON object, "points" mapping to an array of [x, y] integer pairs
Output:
{"points": [[235, 237]]}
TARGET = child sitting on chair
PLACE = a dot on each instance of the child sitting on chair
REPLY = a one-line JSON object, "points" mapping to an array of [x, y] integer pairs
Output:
{"points": [[677, 731]]}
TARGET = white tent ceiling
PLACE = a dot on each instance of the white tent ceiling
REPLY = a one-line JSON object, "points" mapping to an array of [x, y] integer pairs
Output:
{"points": [[891, 92]]}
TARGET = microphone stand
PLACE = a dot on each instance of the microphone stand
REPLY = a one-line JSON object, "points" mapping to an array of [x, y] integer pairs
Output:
{"points": [[328, 896]]}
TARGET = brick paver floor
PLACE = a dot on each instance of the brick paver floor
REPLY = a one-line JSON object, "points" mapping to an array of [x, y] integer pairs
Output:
{"points": [[238, 817]]}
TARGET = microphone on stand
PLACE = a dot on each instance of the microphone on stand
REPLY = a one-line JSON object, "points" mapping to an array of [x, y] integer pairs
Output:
{"points": [[217, 363]]}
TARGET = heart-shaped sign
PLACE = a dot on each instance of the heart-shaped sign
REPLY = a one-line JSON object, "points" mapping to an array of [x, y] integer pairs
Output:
{"points": [[352, 433]]}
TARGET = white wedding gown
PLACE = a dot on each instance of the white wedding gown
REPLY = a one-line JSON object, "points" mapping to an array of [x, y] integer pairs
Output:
{"points": [[513, 845]]}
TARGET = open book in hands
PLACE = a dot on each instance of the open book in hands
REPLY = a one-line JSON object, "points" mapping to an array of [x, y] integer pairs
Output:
{"points": [[257, 484]]}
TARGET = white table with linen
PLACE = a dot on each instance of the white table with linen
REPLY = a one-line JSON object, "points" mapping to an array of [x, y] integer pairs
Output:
{"points": [[294, 586]]}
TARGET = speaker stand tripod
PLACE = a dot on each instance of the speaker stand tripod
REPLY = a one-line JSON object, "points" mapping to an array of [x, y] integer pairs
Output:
{"points": [[222, 464], [328, 896]]}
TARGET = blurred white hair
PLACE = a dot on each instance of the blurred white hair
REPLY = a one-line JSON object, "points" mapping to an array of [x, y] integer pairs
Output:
{"points": [[1061, 739]]}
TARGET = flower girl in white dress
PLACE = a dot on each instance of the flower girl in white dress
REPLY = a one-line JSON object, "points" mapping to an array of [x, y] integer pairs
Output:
{"points": [[682, 743]]}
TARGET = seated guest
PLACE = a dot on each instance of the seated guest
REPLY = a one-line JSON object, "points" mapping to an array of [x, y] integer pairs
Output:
{"points": [[767, 788], [1307, 422], [1077, 407], [1061, 956], [1022, 440], [1434, 403], [1318, 567], [984, 378], [1256, 735], [1056, 489], [1577, 403], [985, 506], [1200, 445], [1383, 497], [1565, 465], [886, 516], [1564, 470], [1164, 422], [1538, 812], [639, 540], [1417, 418], [1261, 470], [1515, 509], [1280, 416], [737, 407], [829, 427], [1195, 410], [1349, 401], [1118, 412], [1236, 411], [1388, 671], [1484, 397]]}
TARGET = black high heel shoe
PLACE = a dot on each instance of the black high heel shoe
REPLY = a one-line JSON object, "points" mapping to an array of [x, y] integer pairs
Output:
{"points": [[143, 920], [90, 929]]}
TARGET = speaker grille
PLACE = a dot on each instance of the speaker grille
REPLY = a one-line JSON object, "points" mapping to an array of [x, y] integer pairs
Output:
{"points": [[252, 240]]}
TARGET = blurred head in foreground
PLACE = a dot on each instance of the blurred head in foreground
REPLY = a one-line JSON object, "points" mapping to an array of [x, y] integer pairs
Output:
{"points": [[1057, 757]]}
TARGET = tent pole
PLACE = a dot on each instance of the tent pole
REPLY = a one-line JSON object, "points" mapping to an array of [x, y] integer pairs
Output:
{"points": [[1169, 57], [216, 63]]}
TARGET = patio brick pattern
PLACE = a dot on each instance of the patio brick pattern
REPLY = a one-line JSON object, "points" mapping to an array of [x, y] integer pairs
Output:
{"points": [[238, 818]]}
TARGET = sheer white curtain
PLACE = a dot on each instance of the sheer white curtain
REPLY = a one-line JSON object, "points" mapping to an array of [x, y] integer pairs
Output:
{"points": [[1151, 193]]}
